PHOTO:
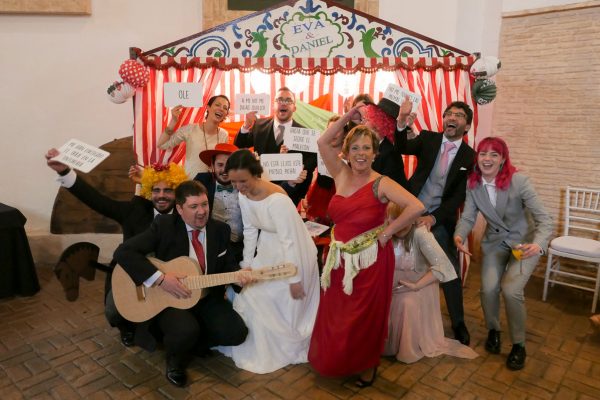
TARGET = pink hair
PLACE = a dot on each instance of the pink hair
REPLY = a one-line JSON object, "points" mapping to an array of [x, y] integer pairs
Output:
{"points": [[506, 169], [380, 121]]}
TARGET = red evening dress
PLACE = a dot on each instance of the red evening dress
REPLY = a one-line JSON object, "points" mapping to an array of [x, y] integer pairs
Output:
{"points": [[350, 330]]}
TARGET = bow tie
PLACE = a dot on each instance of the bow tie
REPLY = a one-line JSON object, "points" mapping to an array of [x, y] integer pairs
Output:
{"points": [[221, 188]]}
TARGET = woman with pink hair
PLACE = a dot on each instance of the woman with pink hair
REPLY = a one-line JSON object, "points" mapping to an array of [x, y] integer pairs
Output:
{"points": [[512, 244]]}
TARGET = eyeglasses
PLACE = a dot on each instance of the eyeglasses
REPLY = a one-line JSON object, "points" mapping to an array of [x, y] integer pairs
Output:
{"points": [[455, 114], [286, 101]]}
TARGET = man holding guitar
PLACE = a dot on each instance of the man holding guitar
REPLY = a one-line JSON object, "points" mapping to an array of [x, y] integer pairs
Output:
{"points": [[212, 320]]}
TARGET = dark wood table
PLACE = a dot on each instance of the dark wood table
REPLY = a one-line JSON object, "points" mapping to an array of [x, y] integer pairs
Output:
{"points": [[17, 270]]}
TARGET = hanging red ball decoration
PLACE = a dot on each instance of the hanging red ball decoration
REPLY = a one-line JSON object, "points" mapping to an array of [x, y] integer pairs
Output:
{"points": [[134, 73]]}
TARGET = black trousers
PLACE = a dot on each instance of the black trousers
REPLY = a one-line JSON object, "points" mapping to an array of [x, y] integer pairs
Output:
{"points": [[211, 322]]}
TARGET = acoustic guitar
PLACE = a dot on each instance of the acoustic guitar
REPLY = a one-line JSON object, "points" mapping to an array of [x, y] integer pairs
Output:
{"points": [[140, 303]]}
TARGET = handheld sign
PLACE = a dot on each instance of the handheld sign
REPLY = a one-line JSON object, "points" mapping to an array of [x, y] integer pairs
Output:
{"points": [[301, 139], [397, 94], [184, 93], [321, 166], [80, 156], [281, 167], [314, 228], [245, 103]]}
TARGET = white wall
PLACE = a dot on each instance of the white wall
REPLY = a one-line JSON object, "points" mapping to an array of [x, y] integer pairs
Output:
{"points": [[55, 72], [519, 5]]}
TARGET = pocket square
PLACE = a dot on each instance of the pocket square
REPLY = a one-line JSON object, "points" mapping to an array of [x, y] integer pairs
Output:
{"points": [[222, 254], [462, 169]]}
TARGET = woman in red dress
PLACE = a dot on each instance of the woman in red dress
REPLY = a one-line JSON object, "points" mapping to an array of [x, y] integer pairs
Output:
{"points": [[351, 325]]}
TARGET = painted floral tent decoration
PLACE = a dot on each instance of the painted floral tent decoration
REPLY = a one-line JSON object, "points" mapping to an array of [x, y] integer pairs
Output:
{"points": [[314, 47]]}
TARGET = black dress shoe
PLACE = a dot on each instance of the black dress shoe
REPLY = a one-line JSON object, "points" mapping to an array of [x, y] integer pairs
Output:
{"points": [[492, 344], [127, 337], [462, 334], [175, 372], [516, 358]]}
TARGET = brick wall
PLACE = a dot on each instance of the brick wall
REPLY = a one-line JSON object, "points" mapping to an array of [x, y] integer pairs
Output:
{"points": [[548, 104]]}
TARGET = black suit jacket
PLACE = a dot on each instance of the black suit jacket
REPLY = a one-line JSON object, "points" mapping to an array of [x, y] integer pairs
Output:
{"points": [[426, 147], [390, 163], [167, 238], [210, 183], [262, 137], [134, 215]]}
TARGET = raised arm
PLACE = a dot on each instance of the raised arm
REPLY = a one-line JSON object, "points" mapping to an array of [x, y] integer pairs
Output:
{"points": [[170, 129], [328, 151]]}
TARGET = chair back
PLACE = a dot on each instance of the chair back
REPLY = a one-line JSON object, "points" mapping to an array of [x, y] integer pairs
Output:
{"points": [[582, 212]]}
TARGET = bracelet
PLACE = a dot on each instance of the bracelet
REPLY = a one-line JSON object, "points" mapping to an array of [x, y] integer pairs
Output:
{"points": [[161, 281], [65, 172]]}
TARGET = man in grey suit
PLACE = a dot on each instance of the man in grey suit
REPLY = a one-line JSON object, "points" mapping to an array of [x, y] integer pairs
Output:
{"points": [[517, 224], [439, 181]]}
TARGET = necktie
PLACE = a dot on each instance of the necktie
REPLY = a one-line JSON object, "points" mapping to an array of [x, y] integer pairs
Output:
{"points": [[444, 159], [198, 249], [279, 138], [221, 188]]}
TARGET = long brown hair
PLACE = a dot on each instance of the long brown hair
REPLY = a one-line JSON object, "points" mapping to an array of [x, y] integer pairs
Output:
{"points": [[393, 211]]}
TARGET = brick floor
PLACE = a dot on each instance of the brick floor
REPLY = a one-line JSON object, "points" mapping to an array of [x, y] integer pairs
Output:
{"points": [[54, 349]]}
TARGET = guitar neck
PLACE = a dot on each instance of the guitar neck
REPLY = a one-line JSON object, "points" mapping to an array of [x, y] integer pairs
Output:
{"points": [[210, 280]]}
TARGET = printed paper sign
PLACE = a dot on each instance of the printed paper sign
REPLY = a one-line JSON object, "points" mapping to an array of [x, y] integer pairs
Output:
{"points": [[321, 168], [245, 103], [80, 156], [301, 139], [314, 228], [397, 94], [281, 167], [183, 93]]}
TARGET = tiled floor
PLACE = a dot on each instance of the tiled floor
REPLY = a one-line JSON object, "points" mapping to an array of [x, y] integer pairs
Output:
{"points": [[54, 349]]}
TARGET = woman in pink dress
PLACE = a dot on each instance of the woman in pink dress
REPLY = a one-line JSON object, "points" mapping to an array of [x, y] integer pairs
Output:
{"points": [[415, 326], [351, 324]]}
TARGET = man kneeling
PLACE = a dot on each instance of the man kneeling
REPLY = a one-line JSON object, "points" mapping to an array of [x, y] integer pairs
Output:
{"points": [[190, 232]]}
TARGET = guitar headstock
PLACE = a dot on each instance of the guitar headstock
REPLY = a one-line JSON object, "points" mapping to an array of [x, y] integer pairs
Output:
{"points": [[283, 270]]}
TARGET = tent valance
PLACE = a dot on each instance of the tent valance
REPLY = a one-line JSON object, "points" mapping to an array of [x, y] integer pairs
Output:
{"points": [[311, 66]]}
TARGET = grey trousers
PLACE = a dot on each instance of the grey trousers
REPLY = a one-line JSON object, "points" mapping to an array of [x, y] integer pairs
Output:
{"points": [[500, 271]]}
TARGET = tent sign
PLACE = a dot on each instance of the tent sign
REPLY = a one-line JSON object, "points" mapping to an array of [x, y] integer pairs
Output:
{"points": [[311, 36], [397, 94], [185, 94], [281, 167], [80, 156], [301, 139], [245, 103]]}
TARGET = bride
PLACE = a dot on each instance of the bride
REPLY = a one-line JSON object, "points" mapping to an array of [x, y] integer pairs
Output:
{"points": [[280, 314]]}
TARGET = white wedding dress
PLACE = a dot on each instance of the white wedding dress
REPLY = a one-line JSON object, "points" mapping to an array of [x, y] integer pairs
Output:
{"points": [[279, 326]]}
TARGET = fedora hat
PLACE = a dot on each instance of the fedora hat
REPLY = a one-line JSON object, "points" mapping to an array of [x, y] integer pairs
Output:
{"points": [[389, 107], [206, 156]]}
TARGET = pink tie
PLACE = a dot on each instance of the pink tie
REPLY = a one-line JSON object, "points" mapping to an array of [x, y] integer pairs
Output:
{"points": [[198, 249], [444, 159]]}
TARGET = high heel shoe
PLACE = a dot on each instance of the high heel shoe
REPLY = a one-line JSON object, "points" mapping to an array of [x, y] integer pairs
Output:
{"points": [[361, 383]]}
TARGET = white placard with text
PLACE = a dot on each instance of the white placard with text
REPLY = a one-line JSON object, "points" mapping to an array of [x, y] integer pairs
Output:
{"points": [[321, 168], [245, 103], [301, 139], [183, 93], [281, 167], [80, 156], [397, 94]]}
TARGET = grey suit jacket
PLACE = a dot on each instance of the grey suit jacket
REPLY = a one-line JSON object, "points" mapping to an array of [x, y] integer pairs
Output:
{"points": [[519, 215]]}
